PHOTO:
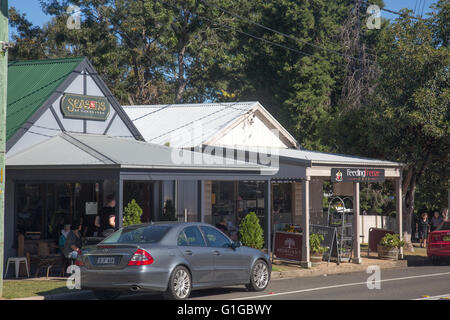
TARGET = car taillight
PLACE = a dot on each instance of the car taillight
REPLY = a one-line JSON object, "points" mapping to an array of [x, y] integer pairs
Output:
{"points": [[141, 258]]}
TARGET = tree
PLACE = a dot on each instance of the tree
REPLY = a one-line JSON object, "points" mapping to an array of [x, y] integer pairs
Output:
{"points": [[406, 119], [252, 235], [132, 214]]}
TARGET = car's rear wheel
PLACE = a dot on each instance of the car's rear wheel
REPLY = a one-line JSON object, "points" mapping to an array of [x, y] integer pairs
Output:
{"points": [[259, 276], [180, 284], [106, 295]]}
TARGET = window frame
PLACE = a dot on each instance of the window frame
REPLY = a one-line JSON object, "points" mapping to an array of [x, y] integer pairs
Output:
{"points": [[230, 242]]}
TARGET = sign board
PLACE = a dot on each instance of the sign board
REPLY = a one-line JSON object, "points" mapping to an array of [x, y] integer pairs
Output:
{"points": [[91, 208], [76, 106], [356, 175], [288, 246], [329, 234]]}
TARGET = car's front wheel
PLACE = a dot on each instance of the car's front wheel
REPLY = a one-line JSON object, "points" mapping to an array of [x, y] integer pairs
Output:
{"points": [[180, 284], [259, 276], [106, 295]]}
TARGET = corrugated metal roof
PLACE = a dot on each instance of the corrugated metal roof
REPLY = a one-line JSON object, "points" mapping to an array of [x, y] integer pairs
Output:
{"points": [[92, 150], [185, 125], [322, 158], [331, 158], [30, 84]]}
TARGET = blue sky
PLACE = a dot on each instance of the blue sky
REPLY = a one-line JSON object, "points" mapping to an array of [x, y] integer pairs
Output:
{"points": [[34, 12]]}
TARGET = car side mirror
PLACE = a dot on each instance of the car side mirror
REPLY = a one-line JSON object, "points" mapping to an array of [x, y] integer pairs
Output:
{"points": [[235, 245]]}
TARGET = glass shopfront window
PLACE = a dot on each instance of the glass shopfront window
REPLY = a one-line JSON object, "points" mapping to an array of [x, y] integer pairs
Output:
{"points": [[30, 210], [282, 205], [42, 210], [223, 201], [251, 199]]}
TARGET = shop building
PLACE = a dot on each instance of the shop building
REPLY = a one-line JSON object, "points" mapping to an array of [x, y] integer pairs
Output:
{"points": [[70, 145], [247, 131]]}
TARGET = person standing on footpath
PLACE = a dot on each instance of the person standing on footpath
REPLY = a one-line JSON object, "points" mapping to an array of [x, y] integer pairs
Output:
{"points": [[436, 221], [423, 227], [106, 219]]}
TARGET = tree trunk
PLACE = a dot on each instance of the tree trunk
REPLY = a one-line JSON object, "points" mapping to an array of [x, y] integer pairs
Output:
{"points": [[409, 185]]}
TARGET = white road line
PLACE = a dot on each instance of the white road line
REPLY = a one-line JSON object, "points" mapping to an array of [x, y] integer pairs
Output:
{"points": [[447, 296], [341, 285]]}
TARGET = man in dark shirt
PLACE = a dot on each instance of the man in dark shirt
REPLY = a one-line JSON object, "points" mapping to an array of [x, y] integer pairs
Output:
{"points": [[106, 219]]}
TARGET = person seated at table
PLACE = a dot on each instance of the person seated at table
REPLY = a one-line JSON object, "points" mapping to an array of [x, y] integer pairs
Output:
{"points": [[72, 246], [63, 237], [223, 225]]}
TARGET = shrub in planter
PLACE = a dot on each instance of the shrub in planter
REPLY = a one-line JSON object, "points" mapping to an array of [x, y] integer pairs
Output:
{"points": [[252, 235], [389, 247], [315, 249], [132, 214]]}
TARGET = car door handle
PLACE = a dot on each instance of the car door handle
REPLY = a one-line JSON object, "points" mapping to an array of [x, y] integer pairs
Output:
{"points": [[217, 253], [189, 252]]}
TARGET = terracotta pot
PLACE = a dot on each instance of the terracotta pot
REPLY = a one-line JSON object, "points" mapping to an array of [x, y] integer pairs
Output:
{"points": [[388, 253], [316, 259]]}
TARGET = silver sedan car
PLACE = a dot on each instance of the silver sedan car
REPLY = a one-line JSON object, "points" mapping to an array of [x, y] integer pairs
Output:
{"points": [[173, 258]]}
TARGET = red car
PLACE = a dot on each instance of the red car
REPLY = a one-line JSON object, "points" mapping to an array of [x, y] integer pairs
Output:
{"points": [[438, 243]]}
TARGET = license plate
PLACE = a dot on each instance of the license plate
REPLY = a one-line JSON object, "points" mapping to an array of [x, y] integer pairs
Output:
{"points": [[106, 260], [447, 238]]}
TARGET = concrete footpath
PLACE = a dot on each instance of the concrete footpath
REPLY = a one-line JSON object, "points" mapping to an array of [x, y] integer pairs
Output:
{"points": [[289, 270], [283, 270]]}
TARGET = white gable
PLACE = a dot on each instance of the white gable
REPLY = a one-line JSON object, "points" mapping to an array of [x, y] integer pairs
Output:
{"points": [[47, 125], [251, 132]]}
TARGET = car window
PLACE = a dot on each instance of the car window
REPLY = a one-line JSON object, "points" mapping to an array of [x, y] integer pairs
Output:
{"points": [[138, 234], [215, 238], [194, 237], [445, 226], [182, 239]]}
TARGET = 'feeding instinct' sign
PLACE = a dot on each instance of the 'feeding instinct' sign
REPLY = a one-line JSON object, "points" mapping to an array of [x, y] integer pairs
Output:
{"points": [[76, 106], [356, 175]]}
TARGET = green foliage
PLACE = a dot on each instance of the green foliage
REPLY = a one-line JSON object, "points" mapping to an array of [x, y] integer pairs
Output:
{"points": [[314, 243], [391, 241], [252, 235], [132, 214]]}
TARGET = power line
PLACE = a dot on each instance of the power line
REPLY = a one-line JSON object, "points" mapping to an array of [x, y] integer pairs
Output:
{"points": [[276, 31], [251, 35], [396, 12]]}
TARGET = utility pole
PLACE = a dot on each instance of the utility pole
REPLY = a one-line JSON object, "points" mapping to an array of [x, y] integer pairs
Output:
{"points": [[3, 102]]}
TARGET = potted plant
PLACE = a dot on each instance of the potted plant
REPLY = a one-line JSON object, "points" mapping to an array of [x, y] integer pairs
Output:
{"points": [[389, 247], [252, 235], [315, 249]]}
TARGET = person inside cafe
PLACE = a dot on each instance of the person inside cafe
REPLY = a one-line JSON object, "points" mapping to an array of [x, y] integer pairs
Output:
{"points": [[105, 221], [223, 225], [73, 243]]}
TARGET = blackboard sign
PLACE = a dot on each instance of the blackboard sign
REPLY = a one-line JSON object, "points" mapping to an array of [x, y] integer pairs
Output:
{"points": [[330, 241]]}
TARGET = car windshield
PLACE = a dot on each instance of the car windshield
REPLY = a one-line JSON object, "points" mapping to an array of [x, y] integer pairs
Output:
{"points": [[445, 226], [138, 234]]}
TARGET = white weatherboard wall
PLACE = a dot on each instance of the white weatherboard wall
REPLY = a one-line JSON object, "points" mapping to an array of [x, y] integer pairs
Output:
{"points": [[252, 132], [47, 126]]}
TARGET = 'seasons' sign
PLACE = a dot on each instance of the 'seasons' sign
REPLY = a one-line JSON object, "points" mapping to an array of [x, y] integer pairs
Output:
{"points": [[356, 175], [76, 106]]}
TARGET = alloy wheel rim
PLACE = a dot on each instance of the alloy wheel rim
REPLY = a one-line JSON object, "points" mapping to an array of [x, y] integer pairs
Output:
{"points": [[260, 275], [181, 284]]}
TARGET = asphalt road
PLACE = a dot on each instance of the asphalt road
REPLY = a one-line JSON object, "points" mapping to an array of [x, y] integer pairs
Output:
{"points": [[429, 282]]}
